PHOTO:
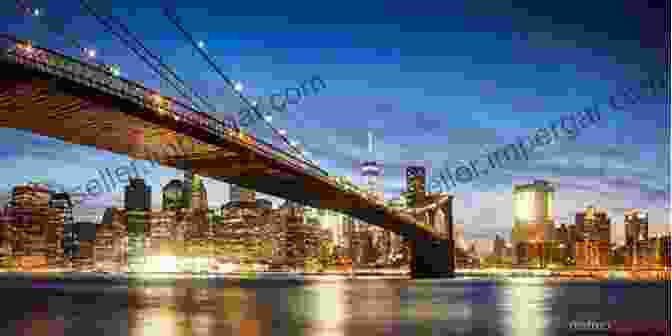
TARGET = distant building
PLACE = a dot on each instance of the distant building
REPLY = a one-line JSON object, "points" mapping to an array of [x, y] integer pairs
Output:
{"points": [[636, 225], [593, 238], [64, 243], [636, 235], [499, 246], [85, 237], [293, 241], [172, 196], [533, 220], [371, 171], [32, 231], [138, 195], [416, 177]]}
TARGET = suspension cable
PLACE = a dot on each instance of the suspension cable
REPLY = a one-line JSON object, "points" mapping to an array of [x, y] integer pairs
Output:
{"points": [[161, 63], [172, 17], [135, 51], [72, 41]]}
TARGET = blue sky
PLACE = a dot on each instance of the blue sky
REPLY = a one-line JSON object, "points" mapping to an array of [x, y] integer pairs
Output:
{"points": [[436, 83]]}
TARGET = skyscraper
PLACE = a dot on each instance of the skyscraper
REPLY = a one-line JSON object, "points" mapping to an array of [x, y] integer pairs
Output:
{"points": [[594, 233], [64, 228], [499, 246], [172, 198], [533, 219], [636, 225], [415, 184], [137, 195], [371, 171], [636, 234]]}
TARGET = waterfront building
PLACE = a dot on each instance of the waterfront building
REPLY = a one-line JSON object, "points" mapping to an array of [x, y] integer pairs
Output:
{"points": [[30, 216], [636, 235], [172, 196], [593, 228], [175, 197], [532, 222], [153, 240], [294, 241], [498, 246], [33, 225], [85, 236], [636, 225], [111, 244], [57, 225]]}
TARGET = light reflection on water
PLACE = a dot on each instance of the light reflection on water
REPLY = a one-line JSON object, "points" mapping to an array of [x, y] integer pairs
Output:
{"points": [[334, 307]]}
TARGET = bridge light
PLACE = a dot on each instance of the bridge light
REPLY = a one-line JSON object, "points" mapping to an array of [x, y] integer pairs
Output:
{"points": [[90, 53], [238, 87], [268, 118], [116, 71], [201, 44], [37, 12], [282, 132]]}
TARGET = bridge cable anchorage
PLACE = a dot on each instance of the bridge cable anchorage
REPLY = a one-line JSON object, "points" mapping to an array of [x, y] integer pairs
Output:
{"points": [[174, 19], [133, 49]]}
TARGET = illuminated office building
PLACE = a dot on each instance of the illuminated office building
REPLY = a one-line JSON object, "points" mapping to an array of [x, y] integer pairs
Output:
{"points": [[57, 227], [533, 220], [415, 185], [174, 195], [593, 227], [636, 225], [371, 172], [636, 235]]}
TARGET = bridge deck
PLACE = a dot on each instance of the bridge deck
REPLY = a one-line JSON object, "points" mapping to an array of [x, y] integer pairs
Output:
{"points": [[48, 104]]}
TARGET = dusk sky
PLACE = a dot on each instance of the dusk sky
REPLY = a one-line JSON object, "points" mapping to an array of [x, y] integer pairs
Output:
{"points": [[437, 82]]}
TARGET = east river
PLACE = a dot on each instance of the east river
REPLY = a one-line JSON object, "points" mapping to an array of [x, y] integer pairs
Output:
{"points": [[335, 306]]}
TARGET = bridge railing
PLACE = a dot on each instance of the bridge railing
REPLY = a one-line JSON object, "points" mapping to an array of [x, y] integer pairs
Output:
{"points": [[96, 75]]}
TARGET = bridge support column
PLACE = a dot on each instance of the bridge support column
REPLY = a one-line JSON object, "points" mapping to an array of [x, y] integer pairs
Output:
{"points": [[429, 259], [435, 258]]}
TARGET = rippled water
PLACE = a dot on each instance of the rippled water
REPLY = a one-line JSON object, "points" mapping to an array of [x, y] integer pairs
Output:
{"points": [[330, 307]]}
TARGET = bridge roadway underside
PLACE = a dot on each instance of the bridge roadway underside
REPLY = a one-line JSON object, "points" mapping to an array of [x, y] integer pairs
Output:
{"points": [[77, 114]]}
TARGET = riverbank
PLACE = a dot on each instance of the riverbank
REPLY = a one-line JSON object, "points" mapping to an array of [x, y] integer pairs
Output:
{"points": [[655, 275]]}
